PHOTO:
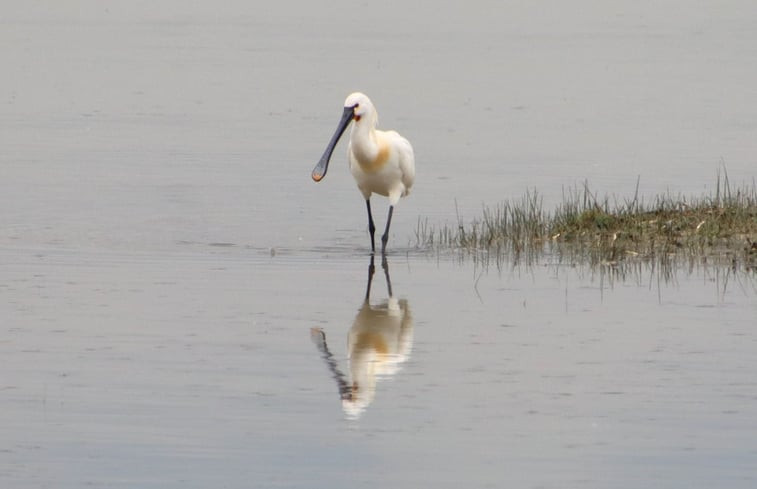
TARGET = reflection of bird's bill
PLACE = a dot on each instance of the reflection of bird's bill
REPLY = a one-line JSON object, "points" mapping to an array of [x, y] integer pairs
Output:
{"points": [[319, 338], [323, 164]]}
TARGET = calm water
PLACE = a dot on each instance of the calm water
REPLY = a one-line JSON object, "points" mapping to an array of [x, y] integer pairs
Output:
{"points": [[182, 307]]}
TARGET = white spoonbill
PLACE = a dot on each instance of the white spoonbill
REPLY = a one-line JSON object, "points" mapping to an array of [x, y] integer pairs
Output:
{"points": [[381, 162]]}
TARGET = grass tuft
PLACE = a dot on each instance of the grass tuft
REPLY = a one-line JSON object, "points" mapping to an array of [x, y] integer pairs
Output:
{"points": [[722, 226]]}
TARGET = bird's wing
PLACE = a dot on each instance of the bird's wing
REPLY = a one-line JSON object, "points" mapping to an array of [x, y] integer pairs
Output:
{"points": [[406, 161]]}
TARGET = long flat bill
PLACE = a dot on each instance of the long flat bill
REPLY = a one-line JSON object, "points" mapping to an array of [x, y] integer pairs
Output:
{"points": [[323, 164]]}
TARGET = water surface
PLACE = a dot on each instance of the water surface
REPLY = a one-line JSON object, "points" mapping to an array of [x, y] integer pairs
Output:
{"points": [[182, 307]]}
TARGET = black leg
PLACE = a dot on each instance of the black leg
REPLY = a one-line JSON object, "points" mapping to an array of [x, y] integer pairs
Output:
{"points": [[385, 237], [371, 226]]}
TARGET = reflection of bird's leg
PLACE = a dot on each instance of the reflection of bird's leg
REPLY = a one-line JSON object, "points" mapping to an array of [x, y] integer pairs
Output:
{"points": [[385, 236], [319, 338], [371, 270], [385, 266]]}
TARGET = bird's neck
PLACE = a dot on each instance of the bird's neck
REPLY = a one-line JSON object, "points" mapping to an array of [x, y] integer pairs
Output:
{"points": [[364, 143]]}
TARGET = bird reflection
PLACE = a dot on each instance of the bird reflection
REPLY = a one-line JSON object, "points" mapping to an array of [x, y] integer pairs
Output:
{"points": [[379, 341]]}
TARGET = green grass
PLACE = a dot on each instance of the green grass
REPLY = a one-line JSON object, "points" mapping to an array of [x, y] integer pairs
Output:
{"points": [[720, 227]]}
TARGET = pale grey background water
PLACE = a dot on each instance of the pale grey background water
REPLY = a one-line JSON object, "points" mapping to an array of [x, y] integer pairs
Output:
{"points": [[152, 154]]}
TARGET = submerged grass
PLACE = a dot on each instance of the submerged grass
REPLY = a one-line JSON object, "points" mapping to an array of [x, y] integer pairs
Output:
{"points": [[721, 227]]}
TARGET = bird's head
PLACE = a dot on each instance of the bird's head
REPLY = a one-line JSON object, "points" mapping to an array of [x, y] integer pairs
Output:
{"points": [[358, 108], [362, 108]]}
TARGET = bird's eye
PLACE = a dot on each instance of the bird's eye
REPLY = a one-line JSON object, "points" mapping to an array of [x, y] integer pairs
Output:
{"points": [[356, 106]]}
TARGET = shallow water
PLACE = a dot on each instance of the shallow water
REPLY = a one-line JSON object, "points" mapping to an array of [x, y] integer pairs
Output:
{"points": [[183, 307], [198, 369]]}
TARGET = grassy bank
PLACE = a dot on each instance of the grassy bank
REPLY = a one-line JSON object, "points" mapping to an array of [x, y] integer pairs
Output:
{"points": [[721, 226]]}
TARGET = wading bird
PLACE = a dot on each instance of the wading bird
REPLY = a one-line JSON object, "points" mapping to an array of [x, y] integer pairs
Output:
{"points": [[381, 162]]}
